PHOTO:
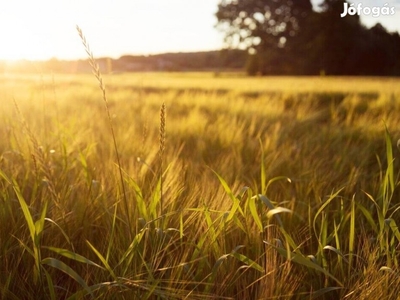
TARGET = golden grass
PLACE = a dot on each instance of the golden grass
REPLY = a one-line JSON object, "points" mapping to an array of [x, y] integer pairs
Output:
{"points": [[216, 239]]}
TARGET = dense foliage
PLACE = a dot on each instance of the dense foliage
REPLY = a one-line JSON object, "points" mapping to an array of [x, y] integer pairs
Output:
{"points": [[289, 37]]}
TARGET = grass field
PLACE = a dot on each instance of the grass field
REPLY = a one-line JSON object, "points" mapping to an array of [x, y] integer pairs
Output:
{"points": [[240, 188]]}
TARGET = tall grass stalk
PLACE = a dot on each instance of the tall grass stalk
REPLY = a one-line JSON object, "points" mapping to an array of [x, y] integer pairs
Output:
{"points": [[161, 153], [97, 74]]}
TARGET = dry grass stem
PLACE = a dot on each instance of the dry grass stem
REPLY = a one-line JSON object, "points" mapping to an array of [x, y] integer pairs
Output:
{"points": [[97, 73], [161, 151]]}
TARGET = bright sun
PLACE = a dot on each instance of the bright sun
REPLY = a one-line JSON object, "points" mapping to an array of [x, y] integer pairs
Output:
{"points": [[43, 29], [38, 30]]}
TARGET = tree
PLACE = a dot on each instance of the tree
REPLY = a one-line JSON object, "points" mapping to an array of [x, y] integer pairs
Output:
{"points": [[382, 52], [288, 37], [336, 39], [269, 29], [345, 47]]}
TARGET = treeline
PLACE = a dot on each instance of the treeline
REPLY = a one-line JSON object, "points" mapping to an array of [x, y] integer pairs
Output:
{"points": [[290, 38], [336, 50], [192, 61], [219, 60]]}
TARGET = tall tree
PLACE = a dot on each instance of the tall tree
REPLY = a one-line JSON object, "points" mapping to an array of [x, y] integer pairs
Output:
{"points": [[338, 39], [288, 37], [267, 28], [346, 47]]}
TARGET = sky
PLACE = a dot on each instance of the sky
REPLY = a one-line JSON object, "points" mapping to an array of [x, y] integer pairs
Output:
{"points": [[44, 29]]}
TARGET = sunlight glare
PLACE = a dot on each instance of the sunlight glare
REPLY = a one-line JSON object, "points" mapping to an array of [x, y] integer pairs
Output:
{"points": [[43, 29], [27, 29]]}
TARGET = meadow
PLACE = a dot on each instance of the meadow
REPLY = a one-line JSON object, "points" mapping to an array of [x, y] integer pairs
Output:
{"points": [[199, 186]]}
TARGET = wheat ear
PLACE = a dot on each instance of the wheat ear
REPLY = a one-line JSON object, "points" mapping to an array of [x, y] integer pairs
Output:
{"points": [[97, 74], [161, 151]]}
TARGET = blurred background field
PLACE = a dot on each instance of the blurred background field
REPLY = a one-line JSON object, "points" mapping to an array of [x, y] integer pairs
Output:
{"points": [[222, 117], [209, 81]]}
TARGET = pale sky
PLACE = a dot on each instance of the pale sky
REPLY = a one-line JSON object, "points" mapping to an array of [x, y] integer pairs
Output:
{"points": [[43, 29], [391, 23]]}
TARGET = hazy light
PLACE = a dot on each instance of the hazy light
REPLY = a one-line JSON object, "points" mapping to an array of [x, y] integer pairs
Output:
{"points": [[44, 29]]}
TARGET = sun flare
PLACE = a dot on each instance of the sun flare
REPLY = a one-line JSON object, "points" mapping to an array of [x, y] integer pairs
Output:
{"points": [[43, 29], [28, 33]]}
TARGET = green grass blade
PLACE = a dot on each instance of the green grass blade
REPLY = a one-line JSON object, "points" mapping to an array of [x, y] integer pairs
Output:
{"points": [[266, 201], [35, 254], [26, 212], [214, 271], [262, 170], [338, 245], [128, 255], [271, 206], [110, 244], [103, 260], [155, 200], [340, 254], [236, 202], [72, 255], [254, 213], [32, 231], [61, 230], [304, 261], [50, 285], [352, 231], [381, 219], [55, 263], [320, 210], [367, 214], [274, 180], [217, 264], [393, 226], [244, 259], [289, 241], [232, 212], [278, 210], [386, 269], [239, 223], [26, 248], [5, 177], [140, 203], [225, 186], [212, 232], [323, 236], [39, 225], [251, 263], [389, 157], [181, 226]]}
